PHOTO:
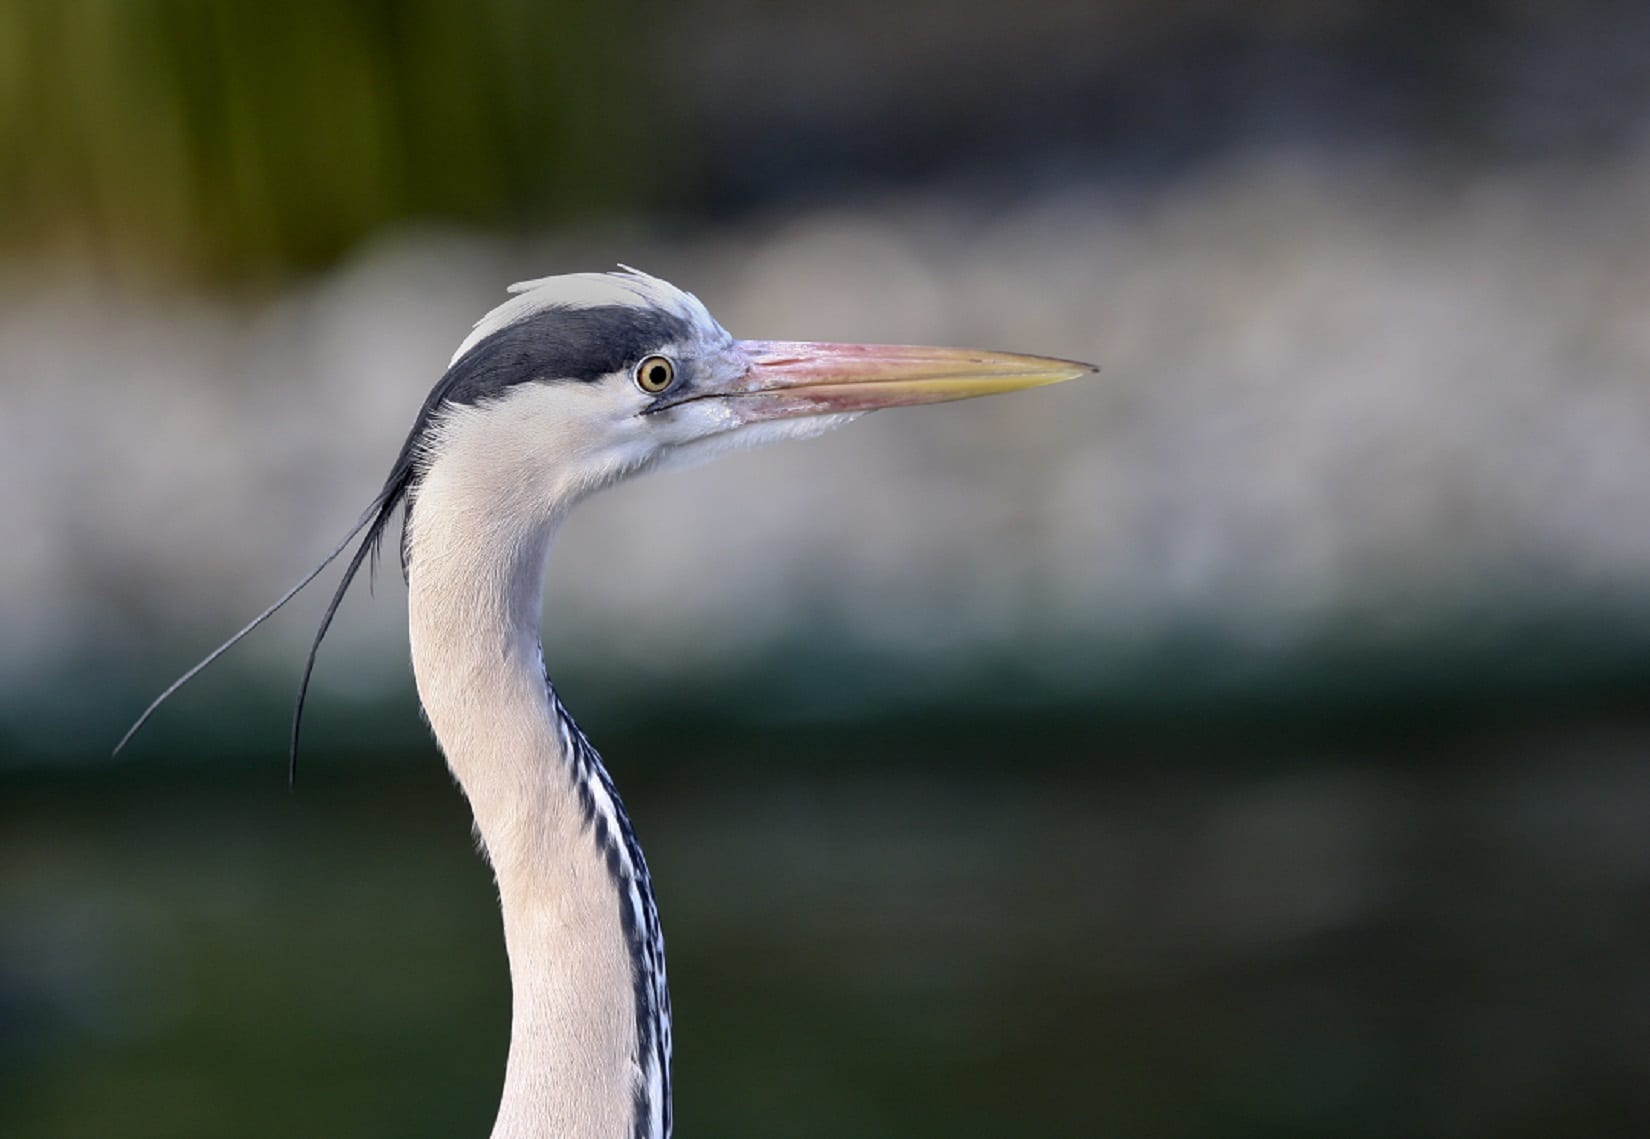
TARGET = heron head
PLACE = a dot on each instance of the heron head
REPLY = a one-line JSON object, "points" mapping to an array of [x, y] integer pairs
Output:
{"points": [[579, 380]]}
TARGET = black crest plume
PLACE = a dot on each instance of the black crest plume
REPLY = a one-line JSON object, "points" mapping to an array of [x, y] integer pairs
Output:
{"points": [[560, 343], [375, 520], [459, 385], [398, 490]]}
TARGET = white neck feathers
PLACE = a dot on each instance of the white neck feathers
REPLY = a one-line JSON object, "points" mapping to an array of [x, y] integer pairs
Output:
{"points": [[584, 1061]]}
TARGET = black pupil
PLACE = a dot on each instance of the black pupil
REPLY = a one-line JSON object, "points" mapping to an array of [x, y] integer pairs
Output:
{"points": [[658, 376]]}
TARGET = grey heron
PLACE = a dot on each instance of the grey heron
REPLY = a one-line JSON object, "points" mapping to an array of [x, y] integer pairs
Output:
{"points": [[572, 385]]}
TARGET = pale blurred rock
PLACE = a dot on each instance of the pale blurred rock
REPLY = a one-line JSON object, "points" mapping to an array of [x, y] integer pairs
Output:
{"points": [[1339, 399]]}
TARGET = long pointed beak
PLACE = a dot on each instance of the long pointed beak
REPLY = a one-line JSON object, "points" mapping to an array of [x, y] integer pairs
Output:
{"points": [[789, 378]]}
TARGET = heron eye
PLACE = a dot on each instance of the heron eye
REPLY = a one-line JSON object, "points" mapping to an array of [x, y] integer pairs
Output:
{"points": [[655, 374]]}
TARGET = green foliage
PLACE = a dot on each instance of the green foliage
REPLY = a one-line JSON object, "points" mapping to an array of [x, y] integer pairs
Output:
{"points": [[234, 137]]}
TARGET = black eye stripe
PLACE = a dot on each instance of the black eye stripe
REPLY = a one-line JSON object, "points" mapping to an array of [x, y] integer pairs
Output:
{"points": [[551, 345], [560, 344]]}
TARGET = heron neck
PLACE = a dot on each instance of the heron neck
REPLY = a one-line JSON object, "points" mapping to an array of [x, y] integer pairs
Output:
{"points": [[577, 1064]]}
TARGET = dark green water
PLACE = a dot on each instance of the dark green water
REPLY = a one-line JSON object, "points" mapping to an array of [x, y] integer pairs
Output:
{"points": [[1004, 932]]}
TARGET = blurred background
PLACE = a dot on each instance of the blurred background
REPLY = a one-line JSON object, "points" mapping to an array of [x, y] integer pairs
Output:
{"points": [[1248, 742]]}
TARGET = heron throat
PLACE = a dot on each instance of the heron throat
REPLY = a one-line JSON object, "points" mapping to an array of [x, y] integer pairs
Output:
{"points": [[590, 1011]]}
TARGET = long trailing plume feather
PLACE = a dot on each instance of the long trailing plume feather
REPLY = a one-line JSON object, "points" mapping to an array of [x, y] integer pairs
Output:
{"points": [[200, 666], [399, 490], [510, 345], [374, 520], [394, 491]]}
